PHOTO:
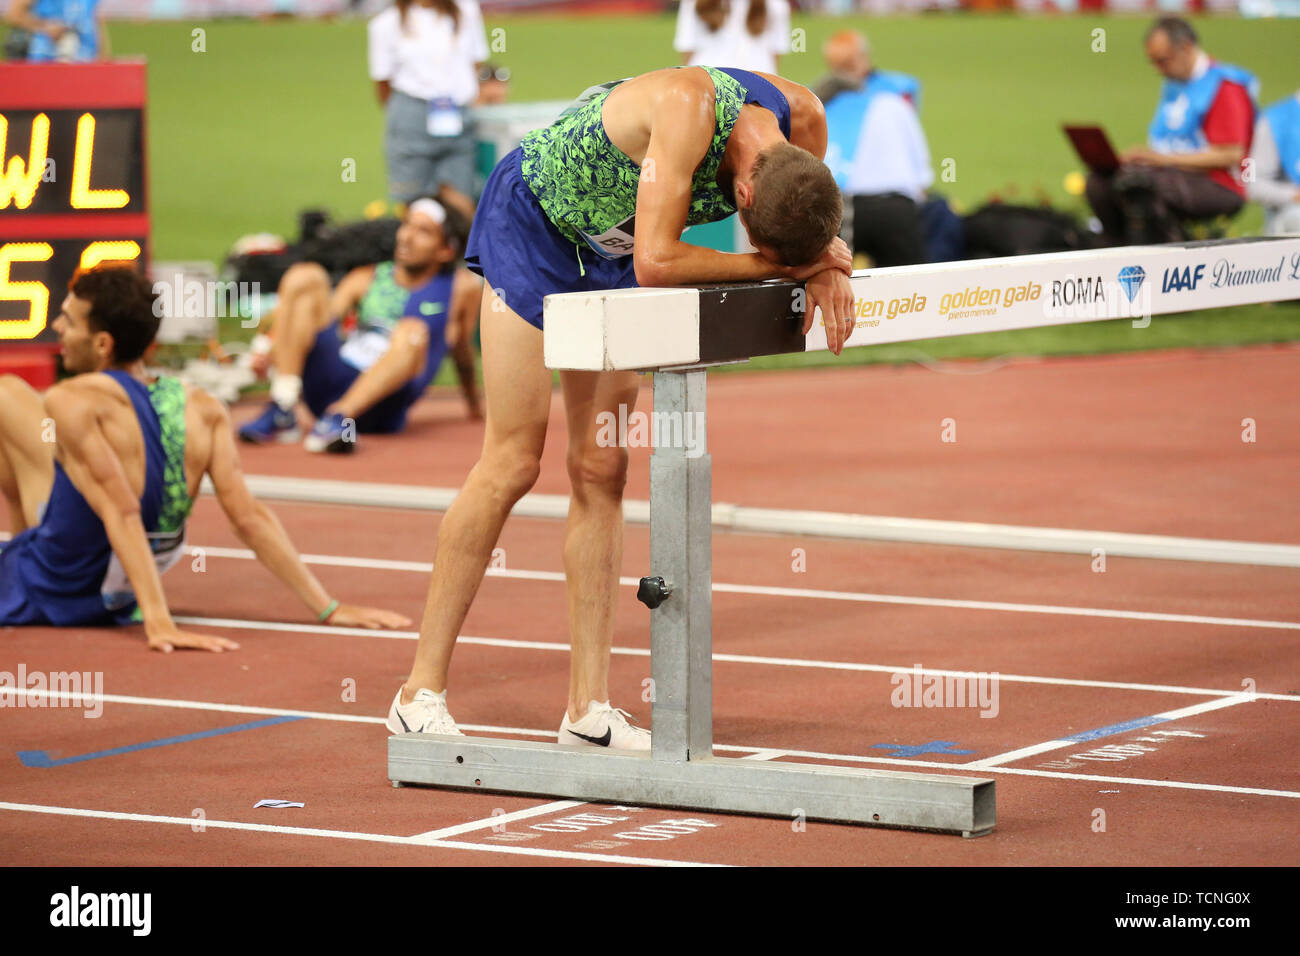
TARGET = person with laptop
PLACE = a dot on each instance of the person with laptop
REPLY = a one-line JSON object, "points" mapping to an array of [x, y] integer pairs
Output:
{"points": [[1190, 168]]}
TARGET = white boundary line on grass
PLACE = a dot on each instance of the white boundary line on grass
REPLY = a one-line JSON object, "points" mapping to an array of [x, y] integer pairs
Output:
{"points": [[814, 523], [729, 748], [246, 625], [379, 564]]}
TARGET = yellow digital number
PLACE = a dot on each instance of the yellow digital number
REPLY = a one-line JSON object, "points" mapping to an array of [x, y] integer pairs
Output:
{"points": [[19, 181], [83, 197], [34, 293], [121, 250]]}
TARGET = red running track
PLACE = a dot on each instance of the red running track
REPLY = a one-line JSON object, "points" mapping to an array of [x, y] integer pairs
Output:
{"points": [[1126, 444]]}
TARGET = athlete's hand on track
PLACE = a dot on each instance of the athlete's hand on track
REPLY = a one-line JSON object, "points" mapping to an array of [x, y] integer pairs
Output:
{"points": [[831, 290], [169, 638], [352, 615]]}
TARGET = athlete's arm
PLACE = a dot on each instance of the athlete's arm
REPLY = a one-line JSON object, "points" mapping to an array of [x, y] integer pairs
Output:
{"points": [[466, 297], [96, 472], [257, 526], [681, 129], [350, 290]]}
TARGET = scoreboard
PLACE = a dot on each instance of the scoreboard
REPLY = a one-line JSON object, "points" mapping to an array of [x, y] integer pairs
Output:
{"points": [[72, 183]]}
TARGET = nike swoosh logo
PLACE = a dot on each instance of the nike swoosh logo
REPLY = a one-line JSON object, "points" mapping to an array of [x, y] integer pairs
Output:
{"points": [[405, 726], [598, 741]]}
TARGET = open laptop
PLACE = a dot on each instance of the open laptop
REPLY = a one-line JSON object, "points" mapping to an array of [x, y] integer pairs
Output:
{"points": [[1093, 146]]}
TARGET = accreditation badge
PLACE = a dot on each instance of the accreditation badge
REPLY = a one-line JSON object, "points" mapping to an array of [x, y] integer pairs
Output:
{"points": [[445, 118]]}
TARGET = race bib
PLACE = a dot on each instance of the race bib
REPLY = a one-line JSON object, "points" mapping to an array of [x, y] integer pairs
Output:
{"points": [[615, 242], [363, 349], [445, 118], [168, 549]]}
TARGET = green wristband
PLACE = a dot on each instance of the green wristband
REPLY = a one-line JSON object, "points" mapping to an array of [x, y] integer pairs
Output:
{"points": [[329, 609]]}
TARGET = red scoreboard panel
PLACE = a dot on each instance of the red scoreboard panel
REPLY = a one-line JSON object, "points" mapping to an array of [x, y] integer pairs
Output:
{"points": [[72, 183]]}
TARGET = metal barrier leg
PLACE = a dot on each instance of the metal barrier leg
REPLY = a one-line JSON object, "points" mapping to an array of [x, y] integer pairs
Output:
{"points": [[681, 552]]}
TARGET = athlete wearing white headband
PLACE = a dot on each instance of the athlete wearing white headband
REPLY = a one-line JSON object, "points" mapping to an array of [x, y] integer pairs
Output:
{"points": [[409, 312], [429, 207]]}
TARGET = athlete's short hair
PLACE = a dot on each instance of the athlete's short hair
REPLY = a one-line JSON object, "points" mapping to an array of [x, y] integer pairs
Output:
{"points": [[797, 206], [122, 303]]}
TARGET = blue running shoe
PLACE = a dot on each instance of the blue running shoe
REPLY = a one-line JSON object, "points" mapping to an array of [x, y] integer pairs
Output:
{"points": [[333, 433], [273, 425]]}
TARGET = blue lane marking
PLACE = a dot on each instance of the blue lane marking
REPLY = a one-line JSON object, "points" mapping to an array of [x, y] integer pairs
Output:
{"points": [[916, 750], [1117, 728], [39, 758]]}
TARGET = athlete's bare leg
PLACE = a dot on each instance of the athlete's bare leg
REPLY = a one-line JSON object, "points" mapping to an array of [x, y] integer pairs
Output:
{"points": [[593, 540], [26, 452], [517, 386], [301, 312]]}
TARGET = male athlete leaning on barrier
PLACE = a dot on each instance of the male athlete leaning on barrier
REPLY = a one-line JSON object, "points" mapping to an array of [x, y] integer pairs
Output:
{"points": [[598, 200], [101, 472]]}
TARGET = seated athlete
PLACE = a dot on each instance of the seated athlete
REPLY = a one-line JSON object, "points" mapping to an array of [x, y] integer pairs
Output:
{"points": [[409, 311], [100, 476], [598, 200]]}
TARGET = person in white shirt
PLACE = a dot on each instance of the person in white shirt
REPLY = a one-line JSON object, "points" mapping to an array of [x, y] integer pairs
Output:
{"points": [[890, 154], [744, 34], [878, 154], [424, 60], [1275, 149]]}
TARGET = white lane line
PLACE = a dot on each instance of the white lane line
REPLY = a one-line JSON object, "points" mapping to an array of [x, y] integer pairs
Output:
{"points": [[241, 624], [1025, 772], [1004, 606], [1141, 782], [500, 820], [493, 731], [83, 698], [1034, 749], [811, 593], [349, 835]]}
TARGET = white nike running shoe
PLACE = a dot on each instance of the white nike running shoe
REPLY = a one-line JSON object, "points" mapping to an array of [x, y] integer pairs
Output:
{"points": [[426, 714], [604, 726]]}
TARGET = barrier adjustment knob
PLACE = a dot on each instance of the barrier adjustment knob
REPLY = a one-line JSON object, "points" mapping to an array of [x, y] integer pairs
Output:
{"points": [[653, 591]]}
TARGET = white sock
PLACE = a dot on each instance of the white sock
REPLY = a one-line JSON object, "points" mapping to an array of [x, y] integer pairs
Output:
{"points": [[286, 390]]}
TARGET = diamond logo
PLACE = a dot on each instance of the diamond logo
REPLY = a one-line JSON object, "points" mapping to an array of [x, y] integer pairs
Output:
{"points": [[1131, 278]]}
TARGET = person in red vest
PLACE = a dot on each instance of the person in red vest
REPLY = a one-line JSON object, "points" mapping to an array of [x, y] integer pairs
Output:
{"points": [[1191, 166]]}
